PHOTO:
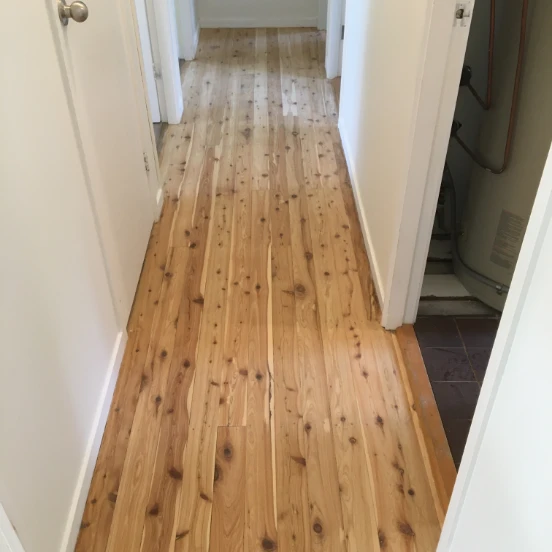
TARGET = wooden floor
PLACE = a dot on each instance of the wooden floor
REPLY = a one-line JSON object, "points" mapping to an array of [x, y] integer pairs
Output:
{"points": [[260, 406]]}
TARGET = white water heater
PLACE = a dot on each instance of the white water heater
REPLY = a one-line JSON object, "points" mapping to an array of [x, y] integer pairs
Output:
{"points": [[498, 206]]}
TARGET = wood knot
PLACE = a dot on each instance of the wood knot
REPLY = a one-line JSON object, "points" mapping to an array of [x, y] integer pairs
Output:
{"points": [[405, 529], [175, 474], [411, 492], [308, 427], [382, 539], [154, 510], [258, 376], [352, 440], [227, 451], [300, 460], [308, 255], [112, 497], [199, 300], [317, 528], [181, 535], [268, 544], [186, 363], [379, 421], [164, 353], [244, 372]]}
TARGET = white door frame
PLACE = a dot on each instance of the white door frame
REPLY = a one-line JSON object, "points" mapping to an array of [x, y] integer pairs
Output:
{"points": [[164, 45], [145, 118], [531, 250], [439, 77], [334, 21], [455, 40], [147, 60]]}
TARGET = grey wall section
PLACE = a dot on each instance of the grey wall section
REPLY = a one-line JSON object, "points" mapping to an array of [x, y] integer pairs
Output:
{"points": [[498, 206], [258, 13]]}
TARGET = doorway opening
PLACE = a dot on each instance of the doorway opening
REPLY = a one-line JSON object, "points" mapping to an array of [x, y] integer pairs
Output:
{"points": [[499, 143]]}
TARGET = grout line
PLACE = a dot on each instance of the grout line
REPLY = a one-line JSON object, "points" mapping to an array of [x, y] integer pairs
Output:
{"points": [[466, 351]]}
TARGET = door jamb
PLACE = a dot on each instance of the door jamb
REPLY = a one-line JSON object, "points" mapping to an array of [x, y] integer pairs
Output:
{"points": [[164, 38], [145, 119], [333, 37], [439, 78]]}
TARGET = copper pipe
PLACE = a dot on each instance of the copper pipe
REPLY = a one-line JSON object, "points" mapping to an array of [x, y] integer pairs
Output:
{"points": [[515, 94], [486, 103], [490, 55]]}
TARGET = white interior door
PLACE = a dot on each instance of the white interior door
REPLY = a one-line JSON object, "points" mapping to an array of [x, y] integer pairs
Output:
{"points": [[98, 55], [59, 332]]}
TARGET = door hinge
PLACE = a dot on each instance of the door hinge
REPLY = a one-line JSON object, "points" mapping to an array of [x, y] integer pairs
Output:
{"points": [[146, 162], [156, 71], [462, 14], [342, 32]]}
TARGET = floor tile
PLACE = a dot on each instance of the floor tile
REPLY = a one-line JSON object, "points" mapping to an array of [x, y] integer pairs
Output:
{"points": [[478, 332], [455, 400], [447, 364], [457, 435], [479, 359], [437, 331]]}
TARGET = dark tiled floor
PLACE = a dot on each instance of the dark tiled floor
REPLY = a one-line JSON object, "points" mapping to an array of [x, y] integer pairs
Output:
{"points": [[456, 352]]}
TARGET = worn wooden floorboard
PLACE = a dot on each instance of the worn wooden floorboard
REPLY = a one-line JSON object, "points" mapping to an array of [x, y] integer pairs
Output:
{"points": [[260, 405]]}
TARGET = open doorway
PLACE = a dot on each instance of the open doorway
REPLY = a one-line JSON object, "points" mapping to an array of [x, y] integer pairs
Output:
{"points": [[499, 142]]}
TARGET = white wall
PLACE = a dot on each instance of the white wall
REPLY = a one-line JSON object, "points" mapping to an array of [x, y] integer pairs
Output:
{"points": [[187, 23], [58, 329], [258, 13], [501, 500], [385, 44]]}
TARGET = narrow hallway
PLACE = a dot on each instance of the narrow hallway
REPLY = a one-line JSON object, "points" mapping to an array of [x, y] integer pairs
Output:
{"points": [[260, 405]]}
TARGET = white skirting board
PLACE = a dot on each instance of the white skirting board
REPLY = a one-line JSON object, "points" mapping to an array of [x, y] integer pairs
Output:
{"points": [[376, 274], [92, 449], [253, 22]]}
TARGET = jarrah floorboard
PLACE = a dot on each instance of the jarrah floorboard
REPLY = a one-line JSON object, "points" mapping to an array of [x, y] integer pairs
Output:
{"points": [[260, 405]]}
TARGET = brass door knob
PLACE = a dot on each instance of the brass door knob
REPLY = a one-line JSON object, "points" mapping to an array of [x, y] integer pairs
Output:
{"points": [[77, 11]]}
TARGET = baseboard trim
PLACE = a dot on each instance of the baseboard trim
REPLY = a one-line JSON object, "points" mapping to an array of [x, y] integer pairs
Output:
{"points": [[93, 447], [429, 426], [257, 22], [376, 275]]}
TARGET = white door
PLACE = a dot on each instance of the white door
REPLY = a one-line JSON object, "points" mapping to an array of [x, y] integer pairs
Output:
{"points": [[59, 332], [98, 55], [501, 499]]}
